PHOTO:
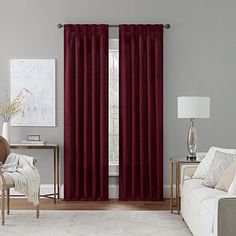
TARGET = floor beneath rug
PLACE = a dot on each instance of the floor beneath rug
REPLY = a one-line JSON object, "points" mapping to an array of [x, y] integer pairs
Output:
{"points": [[94, 223]]}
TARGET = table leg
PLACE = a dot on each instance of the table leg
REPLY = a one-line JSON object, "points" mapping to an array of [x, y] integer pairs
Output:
{"points": [[171, 186], [58, 174], [177, 186], [54, 169]]}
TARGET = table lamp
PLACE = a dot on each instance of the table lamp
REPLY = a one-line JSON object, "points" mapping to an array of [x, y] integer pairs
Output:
{"points": [[193, 107]]}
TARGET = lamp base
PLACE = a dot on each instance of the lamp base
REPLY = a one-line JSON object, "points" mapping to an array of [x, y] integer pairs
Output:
{"points": [[192, 138], [191, 158]]}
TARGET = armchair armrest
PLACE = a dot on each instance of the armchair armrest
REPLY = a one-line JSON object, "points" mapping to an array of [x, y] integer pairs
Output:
{"points": [[187, 172], [226, 215], [2, 178]]}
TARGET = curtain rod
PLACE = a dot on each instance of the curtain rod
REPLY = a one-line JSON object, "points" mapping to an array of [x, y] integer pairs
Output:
{"points": [[166, 26]]}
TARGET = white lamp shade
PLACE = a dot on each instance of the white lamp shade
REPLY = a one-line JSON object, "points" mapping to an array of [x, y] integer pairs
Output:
{"points": [[193, 107]]}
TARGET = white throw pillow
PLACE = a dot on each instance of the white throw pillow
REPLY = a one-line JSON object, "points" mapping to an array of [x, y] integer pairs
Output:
{"points": [[232, 188], [227, 178], [221, 162], [205, 164]]}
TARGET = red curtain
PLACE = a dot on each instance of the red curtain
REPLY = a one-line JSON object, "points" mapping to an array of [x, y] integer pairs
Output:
{"points": [[86, 112], [141, 112]]}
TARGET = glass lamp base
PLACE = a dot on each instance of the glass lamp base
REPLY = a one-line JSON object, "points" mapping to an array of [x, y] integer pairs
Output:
{"points": [[192, 139]]}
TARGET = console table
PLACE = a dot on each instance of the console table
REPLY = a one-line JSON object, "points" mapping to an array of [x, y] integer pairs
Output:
{"points": [[55, 148]]}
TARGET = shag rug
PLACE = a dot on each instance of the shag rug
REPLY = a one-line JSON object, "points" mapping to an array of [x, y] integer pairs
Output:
{"points": [[94, 223]]}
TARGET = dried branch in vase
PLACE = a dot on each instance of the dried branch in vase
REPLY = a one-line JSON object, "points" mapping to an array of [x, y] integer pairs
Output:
{"points": [[11, 108]]}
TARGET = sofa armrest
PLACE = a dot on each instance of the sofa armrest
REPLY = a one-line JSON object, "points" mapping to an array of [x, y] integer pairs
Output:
{"points": [[187, 172], [226, 215]]}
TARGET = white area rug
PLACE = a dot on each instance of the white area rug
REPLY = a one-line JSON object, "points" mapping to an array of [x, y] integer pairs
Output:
{"points": [[94, 223]]}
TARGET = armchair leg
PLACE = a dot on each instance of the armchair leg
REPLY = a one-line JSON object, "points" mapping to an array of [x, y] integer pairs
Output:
{"points": [[3, 206], [37, 207], [8, 201], [37, 212]]}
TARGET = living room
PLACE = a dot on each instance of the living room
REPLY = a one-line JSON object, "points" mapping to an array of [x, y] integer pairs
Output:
{"points": [[106, 97]]}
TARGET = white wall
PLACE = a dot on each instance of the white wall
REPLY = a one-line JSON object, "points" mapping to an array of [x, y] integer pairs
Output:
{"points": [[200, 58]]}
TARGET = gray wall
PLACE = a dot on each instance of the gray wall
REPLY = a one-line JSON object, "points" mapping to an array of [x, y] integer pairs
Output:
{"points": [[200, 59]]}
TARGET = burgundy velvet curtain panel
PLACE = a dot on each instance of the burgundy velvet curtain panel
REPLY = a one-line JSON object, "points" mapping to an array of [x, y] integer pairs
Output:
{"points": [[141, 112], [86, 112]]}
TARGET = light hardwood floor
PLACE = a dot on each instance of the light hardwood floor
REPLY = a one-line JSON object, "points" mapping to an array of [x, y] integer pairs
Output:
{"points": [[111, 205]]}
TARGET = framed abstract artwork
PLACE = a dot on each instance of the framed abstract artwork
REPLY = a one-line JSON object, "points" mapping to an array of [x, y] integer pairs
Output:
{"points": [[34, 79]]}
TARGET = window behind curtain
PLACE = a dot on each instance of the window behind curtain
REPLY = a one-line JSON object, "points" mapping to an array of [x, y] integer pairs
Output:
{"points": [[113, 107]]}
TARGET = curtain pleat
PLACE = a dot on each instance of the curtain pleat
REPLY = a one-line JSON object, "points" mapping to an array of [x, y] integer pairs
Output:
{"points": [[86, 112], [141, 112]]}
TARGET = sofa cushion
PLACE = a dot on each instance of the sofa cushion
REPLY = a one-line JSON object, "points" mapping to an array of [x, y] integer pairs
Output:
{"points": [[189, 185], [206, 193], [211, 204], [195, 193], [227, 178], [193, 183], [207, 214], [232, 188], [201, 194]]}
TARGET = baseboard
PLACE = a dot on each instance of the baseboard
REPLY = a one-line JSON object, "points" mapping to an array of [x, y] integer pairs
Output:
{"points": [[113, 191], [166, 191]]}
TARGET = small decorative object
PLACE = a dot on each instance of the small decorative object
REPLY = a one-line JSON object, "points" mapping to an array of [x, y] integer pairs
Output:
{"points": [[193, 107], [9, 110], [35, 79], [34, 137], [200, 155]]}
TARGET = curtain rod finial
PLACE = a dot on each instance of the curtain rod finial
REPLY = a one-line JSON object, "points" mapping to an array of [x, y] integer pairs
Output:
{"points": [[59, 25], [167, 26]]}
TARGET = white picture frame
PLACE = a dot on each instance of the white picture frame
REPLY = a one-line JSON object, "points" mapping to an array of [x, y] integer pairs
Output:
{"points": [[35, 80]]}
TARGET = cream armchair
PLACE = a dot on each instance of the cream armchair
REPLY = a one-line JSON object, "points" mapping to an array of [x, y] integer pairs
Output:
{"points": [[207, 211], [6, 181]]}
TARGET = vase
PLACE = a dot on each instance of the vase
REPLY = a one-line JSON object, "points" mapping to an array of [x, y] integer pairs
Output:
{"points": [[6, 131]]}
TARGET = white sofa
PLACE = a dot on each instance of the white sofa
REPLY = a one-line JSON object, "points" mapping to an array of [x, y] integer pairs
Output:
{"points": [[207, 211]]}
